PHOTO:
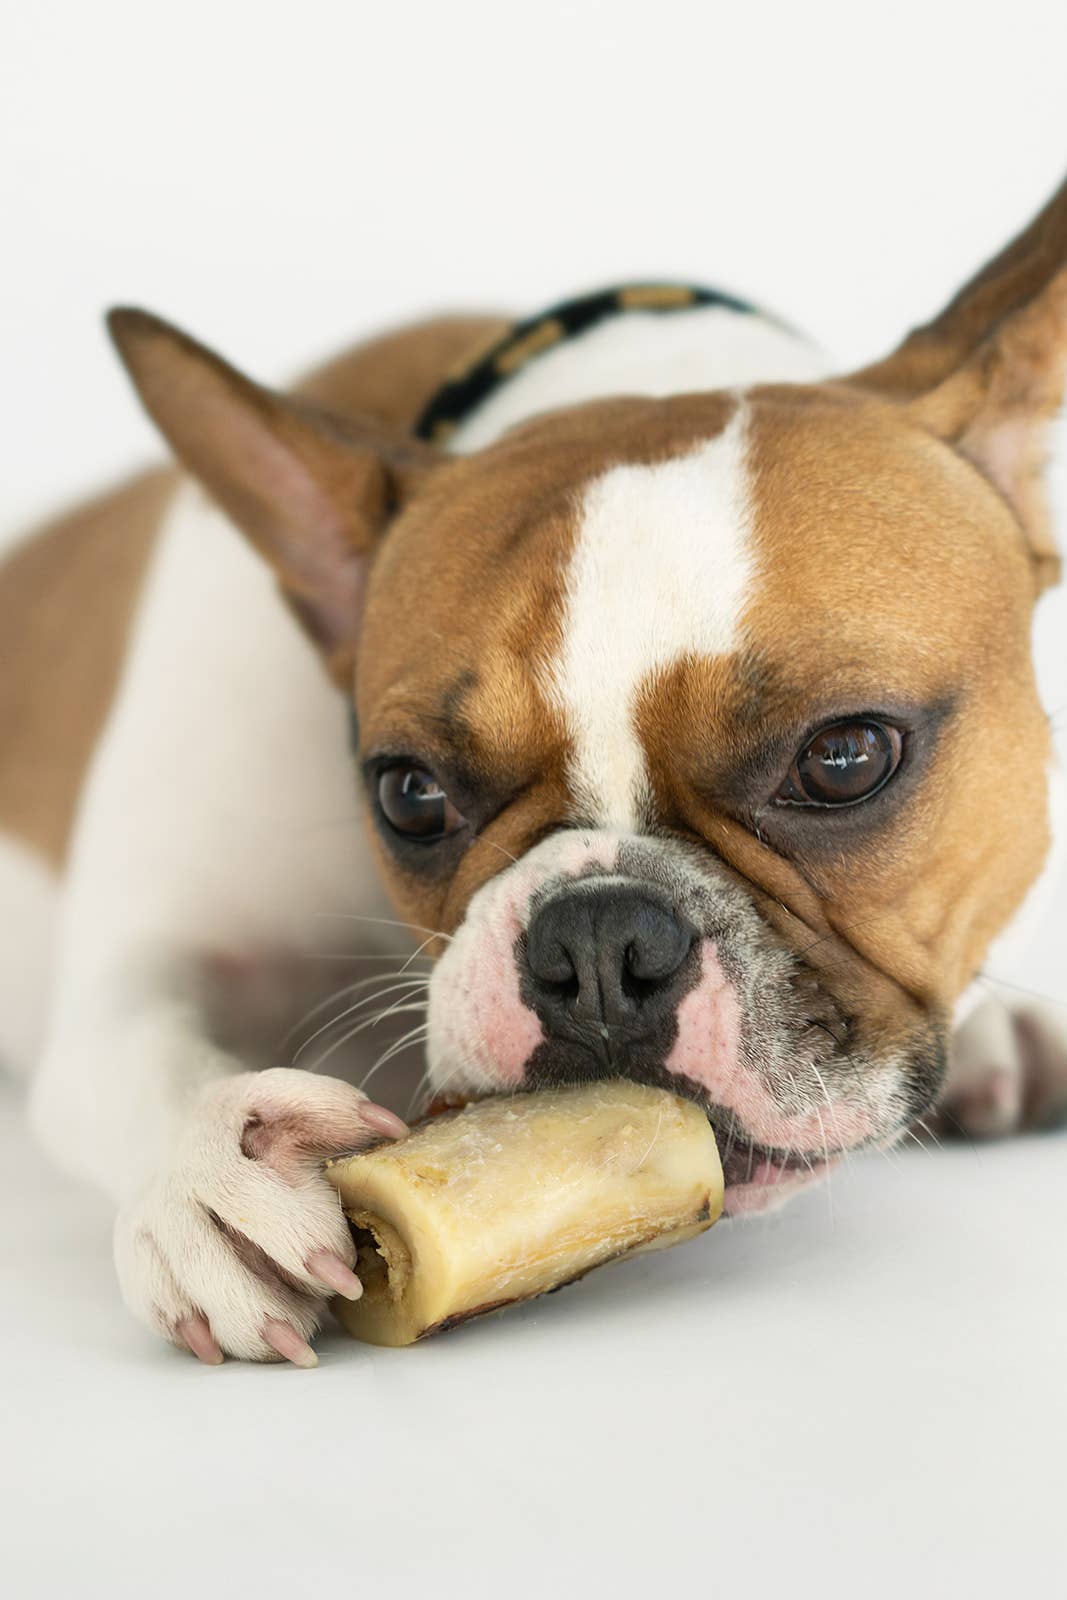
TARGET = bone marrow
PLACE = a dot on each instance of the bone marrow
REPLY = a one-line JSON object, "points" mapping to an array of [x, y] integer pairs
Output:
{"points": [[514, 1196]]}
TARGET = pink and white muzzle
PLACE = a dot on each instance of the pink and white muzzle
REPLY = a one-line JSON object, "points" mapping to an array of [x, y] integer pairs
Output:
{"points": [[591, 956]]}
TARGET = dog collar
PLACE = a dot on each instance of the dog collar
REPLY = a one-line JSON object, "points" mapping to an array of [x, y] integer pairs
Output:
{"points": [[464, 391]]}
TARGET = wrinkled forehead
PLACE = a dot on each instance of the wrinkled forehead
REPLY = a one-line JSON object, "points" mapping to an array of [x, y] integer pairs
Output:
{"points": [[471, 596], [800, 538]]}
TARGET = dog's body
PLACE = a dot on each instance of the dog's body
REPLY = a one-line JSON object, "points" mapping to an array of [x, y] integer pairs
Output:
{"points": [[658, 563]]}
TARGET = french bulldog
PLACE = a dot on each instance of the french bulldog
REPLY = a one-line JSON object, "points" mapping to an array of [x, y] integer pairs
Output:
{"points": [[673, 691]]}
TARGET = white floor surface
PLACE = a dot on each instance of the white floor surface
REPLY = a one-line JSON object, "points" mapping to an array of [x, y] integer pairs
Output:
{"points": [[863, 1401]]}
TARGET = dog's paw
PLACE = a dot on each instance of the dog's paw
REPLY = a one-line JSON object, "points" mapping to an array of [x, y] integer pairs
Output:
{"points": [[238, 1244], [1007, 1072]]}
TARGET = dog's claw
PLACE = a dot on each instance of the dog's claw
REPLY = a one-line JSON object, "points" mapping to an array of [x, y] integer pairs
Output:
{"points": [[239, 1245], [332, 1271], [284, 1339], [382, 1120], [195, 1333]]}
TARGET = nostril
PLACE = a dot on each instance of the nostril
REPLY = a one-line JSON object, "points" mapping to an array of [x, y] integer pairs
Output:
{"points": [[551, 963], [659, 944], [557, 971], [636, 989], [568, 989]]}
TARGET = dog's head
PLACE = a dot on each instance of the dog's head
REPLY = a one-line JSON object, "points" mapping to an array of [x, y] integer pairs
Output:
{"points": [[702, 730]]}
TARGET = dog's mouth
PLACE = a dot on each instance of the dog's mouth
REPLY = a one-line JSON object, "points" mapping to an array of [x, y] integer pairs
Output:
{"points": [[745, 1161]]}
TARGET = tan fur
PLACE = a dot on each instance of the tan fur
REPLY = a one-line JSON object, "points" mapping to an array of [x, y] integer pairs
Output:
{"points": [[930, 603], [67, 594], [392, 376], [988, 373], [69, 590]]}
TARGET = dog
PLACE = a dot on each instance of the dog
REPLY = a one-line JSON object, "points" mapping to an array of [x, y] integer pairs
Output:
{"points": [[674, 692]]}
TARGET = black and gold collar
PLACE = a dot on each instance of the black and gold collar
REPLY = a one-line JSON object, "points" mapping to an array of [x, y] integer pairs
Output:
{"points": [[466, 390]]}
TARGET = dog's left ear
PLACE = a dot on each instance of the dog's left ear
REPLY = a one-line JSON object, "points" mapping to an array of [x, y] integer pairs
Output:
{"points": [[988, 375], [313, 492]]}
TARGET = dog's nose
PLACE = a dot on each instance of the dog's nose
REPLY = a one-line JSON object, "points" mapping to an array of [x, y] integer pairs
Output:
{"points": [[608, 956]]}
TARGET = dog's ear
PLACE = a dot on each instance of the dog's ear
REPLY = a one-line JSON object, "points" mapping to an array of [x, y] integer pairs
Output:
{"points": [[313, 492], [988, 374]]}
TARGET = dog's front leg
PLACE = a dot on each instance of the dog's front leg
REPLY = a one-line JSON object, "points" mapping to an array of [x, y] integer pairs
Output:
{"points": [[213, 825], [228, 1236]]}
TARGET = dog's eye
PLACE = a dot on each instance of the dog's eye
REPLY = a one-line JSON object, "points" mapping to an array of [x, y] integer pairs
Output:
{"points": [[414, 803], [842, 764]]}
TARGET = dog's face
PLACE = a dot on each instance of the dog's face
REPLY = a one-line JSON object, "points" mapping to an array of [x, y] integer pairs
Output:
{"points": [[705, 729], [702, 732]]}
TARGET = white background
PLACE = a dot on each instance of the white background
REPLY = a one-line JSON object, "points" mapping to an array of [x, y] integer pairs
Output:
{"points": [[865, 1401]]}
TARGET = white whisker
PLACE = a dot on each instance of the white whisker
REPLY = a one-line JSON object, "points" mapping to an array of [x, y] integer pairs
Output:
{"points": [[360, 1027], [428, 1076], [417, 953], [1021, 988], [418, 1091], [821, 1081], [339, 994], [347, 956], [409, 984], [494, 846], [829, 1174], [386, 922], [416, 1036]]}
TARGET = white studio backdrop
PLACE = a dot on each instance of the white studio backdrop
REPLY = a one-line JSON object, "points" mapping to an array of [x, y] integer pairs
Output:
{"points": [[280, 179]]}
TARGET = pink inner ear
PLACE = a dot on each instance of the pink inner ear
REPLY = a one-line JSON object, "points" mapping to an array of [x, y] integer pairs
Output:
{"points": [[1001, 450], [332, 620], [300, 492], [290, 515]]}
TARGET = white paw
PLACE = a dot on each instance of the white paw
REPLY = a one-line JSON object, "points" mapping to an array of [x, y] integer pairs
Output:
{"points": [[239, 1243], [1007, 1072]]}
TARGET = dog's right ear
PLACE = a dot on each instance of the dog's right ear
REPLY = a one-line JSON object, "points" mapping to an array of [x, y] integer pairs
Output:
{"points": [[312, 492], [988, 375]]}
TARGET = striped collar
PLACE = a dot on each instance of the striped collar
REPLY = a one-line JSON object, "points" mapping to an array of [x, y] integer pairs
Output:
{"points": [[464, 391]]}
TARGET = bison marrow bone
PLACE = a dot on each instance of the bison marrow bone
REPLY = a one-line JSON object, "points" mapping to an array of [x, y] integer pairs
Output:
{"points": [[517, 1195]]}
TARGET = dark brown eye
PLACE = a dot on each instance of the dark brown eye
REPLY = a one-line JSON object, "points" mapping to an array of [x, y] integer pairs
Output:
{"points": [[842, 764], [414, 803]]}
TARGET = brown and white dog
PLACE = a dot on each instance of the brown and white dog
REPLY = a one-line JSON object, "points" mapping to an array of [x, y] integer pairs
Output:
{"points": [[697, 733]]}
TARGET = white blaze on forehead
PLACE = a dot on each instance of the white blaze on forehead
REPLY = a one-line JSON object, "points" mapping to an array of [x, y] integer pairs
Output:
{"points": [[662, 568]]}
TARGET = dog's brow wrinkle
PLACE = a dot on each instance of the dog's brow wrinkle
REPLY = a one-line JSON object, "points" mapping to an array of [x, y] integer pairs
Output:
{"points": [[450, 708]]}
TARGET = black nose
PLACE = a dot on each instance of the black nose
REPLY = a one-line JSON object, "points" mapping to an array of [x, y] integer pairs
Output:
{"points": [[606, 959]]}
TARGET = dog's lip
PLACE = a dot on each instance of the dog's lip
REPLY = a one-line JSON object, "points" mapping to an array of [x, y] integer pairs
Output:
{"points": [[746, 1162]]}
